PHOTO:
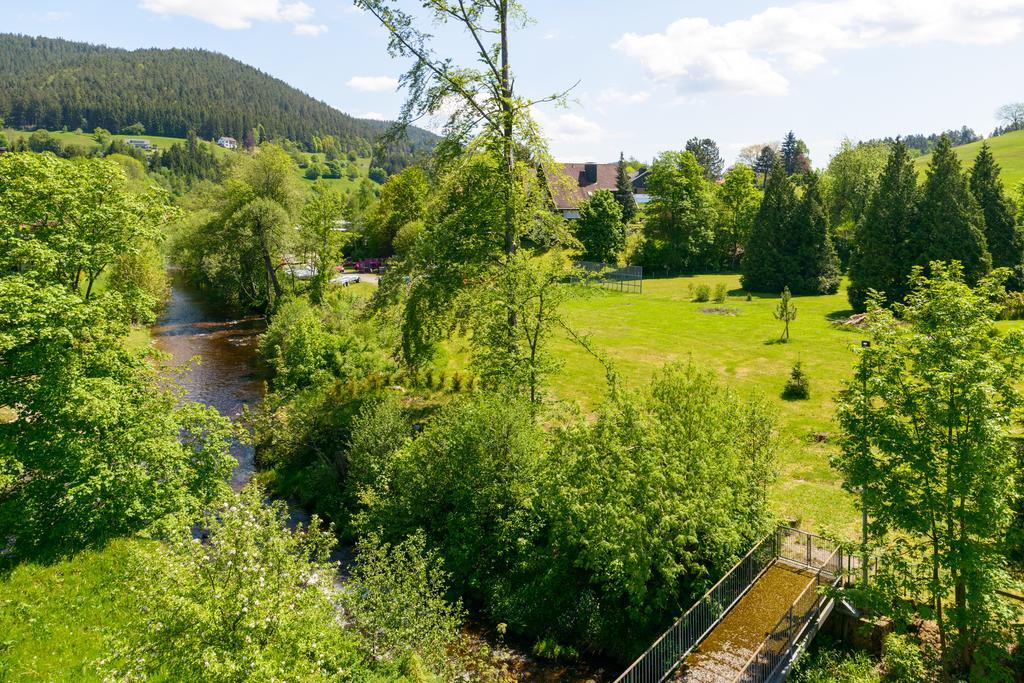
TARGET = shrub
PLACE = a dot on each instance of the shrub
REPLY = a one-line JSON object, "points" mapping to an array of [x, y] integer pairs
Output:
{"points": [[721, 291], [456, 383], [702, 293], [827, 665], [798, 386], [901, 660]]}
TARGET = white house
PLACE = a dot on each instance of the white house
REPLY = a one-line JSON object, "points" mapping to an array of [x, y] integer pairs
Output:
{"points": [[138, 142], [227, 143]]}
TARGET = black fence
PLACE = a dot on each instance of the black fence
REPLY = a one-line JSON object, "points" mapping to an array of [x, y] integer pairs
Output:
{"points": [[778, 646], [624, 279], [662, 658]]}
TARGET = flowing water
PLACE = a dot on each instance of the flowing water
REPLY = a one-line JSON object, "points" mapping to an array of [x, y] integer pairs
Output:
{"points": [[216, 351]]}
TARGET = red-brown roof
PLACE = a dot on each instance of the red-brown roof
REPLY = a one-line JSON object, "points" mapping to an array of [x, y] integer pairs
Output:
{"points": [[577, 187]]}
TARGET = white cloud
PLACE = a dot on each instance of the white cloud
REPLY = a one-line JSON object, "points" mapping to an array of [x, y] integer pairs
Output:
{"points": [[616, 96], [309, 29], [56, 15], [232, 14], [372, 83], [377, 116], [750, 55], [568, 128]]}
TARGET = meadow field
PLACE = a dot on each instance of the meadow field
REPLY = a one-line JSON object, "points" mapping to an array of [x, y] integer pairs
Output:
{"points": [[1008, 150]]}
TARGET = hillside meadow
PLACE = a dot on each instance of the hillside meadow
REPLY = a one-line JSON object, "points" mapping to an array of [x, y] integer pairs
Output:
{"points": [[1008, 150]]}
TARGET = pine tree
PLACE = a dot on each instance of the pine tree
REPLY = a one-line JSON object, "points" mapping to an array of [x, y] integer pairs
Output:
{"points": [[1002, 234], [950, 226], [624, 191], [766, 159], [811, 253], [879, 258], [763, 254], [792, 154], [708, 156]]}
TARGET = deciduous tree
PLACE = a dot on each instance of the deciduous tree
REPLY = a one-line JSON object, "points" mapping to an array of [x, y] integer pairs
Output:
{"points": [[599, 227]]}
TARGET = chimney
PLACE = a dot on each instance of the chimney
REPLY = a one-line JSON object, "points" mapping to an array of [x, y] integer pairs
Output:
{"points": [[590, 172]]}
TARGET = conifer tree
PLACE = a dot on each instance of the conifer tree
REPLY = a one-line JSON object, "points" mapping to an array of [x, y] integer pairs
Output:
{"points": [[794, 155], [811, 254], [761, 272], [1002, 234], [624, 191], [879, 258], [950, 226], [766, 158]]}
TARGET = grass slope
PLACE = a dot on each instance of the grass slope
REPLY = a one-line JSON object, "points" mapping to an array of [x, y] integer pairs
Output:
{"points": [[53, 617], [1007, 149]]}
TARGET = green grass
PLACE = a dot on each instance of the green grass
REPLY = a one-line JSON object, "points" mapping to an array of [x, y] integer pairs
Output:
{"points": [[343, 184], [640, 333], [86, 140], [1007, 149], [53, 617]]}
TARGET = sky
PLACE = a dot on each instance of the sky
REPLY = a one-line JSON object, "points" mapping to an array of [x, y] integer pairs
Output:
{"points": [[648, 76]]}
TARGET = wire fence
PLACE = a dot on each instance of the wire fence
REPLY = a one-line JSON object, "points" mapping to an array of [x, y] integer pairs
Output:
{"points": [[624, 279], [661, 659]]}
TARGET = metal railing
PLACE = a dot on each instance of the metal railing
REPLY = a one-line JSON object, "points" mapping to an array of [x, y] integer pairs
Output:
{"points": [[622, 278], [778, 645], [662, 658]]}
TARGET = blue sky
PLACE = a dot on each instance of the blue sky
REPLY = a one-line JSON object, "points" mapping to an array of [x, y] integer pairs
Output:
{"points": [[651, 74]]}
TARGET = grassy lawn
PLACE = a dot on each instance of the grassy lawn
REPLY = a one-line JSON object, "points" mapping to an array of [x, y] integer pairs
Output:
{"points": [[1007, 149], [53, 618], [341, 185]]}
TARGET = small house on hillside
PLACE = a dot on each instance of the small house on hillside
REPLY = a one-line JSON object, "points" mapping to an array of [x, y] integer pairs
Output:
{"points": [[140, 143], [227, 143], [579, 181]]}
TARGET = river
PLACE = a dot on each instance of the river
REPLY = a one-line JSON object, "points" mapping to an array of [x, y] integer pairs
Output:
{"points": [[217, 352]]}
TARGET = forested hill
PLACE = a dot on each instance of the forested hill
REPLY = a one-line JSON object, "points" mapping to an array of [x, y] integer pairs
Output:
{"points": [[52, 83]]}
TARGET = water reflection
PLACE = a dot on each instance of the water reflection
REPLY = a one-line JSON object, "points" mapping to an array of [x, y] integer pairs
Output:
{"points": [[226, 374]]}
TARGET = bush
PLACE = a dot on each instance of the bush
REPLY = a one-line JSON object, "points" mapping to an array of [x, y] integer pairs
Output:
{"points": [[901, 660], [798, 386], [702, 293], [827, 665], [721, 292]]}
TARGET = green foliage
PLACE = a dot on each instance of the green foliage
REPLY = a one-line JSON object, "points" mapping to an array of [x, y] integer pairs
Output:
{"points": [[321, 238], [927, 439], [851, 178], [950, 226], [798, 386], [599, 228], [902, 660], [253, 601], [306, 345], [214, 95], [793, 155], [880, 258], [399, 604], [624, 191], [681, 214], [786, 312], [738, 202], [44, 141], [721, 292], [623, 567], [702, 293], [710, 159], [790, 243], [1003, 236], [827, 665], [403, 200], [235, 252]]}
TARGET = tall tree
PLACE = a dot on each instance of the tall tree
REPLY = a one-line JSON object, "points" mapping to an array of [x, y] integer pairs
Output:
{"points": [[321, 236], [794, 155], [764, 162], [928, 447], [880, 257], [1002, 234], [1012, 115], [763, 252], [816, 266], [681, 213], [738, 200], [599, 227], [403, 199], [708, 156], [950, 226], [624, 191]]}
